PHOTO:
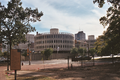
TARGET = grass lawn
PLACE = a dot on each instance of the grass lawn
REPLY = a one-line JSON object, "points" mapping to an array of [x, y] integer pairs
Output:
{"points": [[98, 72]]}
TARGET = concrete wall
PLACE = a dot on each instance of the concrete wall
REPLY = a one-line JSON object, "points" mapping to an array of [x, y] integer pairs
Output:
{"points": [[59, 55]]}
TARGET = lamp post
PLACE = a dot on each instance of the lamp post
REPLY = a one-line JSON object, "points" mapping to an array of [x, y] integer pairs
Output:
{"points": [[88, 49], [57, 51]]}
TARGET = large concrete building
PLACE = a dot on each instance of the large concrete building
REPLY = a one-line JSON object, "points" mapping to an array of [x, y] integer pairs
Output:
{"points": [[56, 40], [80, 36]]}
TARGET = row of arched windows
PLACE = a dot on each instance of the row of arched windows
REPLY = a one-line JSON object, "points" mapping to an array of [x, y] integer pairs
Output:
{"points": [[54, 41], [55, 36], [54, 46]]}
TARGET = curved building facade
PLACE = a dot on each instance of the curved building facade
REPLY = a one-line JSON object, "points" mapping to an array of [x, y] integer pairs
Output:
{"points": [[54, 40]]}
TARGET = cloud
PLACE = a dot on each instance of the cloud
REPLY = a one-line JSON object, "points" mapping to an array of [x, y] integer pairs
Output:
{"points": [[67, 23], [68, 15]]}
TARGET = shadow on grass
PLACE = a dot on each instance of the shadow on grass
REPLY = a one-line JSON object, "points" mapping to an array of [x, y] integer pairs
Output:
{"points": [[35, 78], [99, 72]]}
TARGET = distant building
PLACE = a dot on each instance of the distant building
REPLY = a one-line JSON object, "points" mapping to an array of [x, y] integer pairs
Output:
{"points": [[63, 42], [91, 43], [91, 37], [30, 39], [4, 47], [86, 43], [80, 36]]}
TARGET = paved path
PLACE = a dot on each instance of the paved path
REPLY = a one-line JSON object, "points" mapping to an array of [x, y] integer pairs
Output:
{"points": [[2, 72]]}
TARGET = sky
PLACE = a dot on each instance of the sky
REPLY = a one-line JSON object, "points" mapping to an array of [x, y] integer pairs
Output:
{"points": [[68, 16]]}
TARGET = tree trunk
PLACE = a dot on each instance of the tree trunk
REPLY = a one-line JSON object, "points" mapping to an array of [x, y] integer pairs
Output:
{"points": [[112, 58], [9, 56], [93, 61]]}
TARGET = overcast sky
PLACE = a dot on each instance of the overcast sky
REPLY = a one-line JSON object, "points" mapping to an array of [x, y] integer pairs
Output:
{"points": [[67, 15]]}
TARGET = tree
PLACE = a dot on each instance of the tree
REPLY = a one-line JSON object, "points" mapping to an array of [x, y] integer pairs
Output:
{"points": [[0, 53], [99, 45], [92, 52], [114, 3], [113, 31], [48, 52], [15, 22], [80, 51], [74, 52], [42, 53], [5, 54], [112, 20], [24, 53]]}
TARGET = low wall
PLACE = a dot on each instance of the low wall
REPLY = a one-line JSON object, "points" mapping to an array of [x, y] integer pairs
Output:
{"points": [[38, 56]]}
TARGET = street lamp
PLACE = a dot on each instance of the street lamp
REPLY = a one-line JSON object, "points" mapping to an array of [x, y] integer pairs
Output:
{"points": [[88, 49], [57, 51]]}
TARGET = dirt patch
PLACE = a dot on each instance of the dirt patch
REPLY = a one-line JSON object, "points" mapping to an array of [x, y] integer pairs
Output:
{"points": [[99, 72], [3, 63]]}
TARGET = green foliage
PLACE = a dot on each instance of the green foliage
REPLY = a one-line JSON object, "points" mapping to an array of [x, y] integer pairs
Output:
{"points": [[42, 52], [80, 51], [99, 45], [92, 51], [115, 3], [47, 52], [5, 54], [24, 53], [15, 22], [0, 53], [74, 52], [111, 36]]}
